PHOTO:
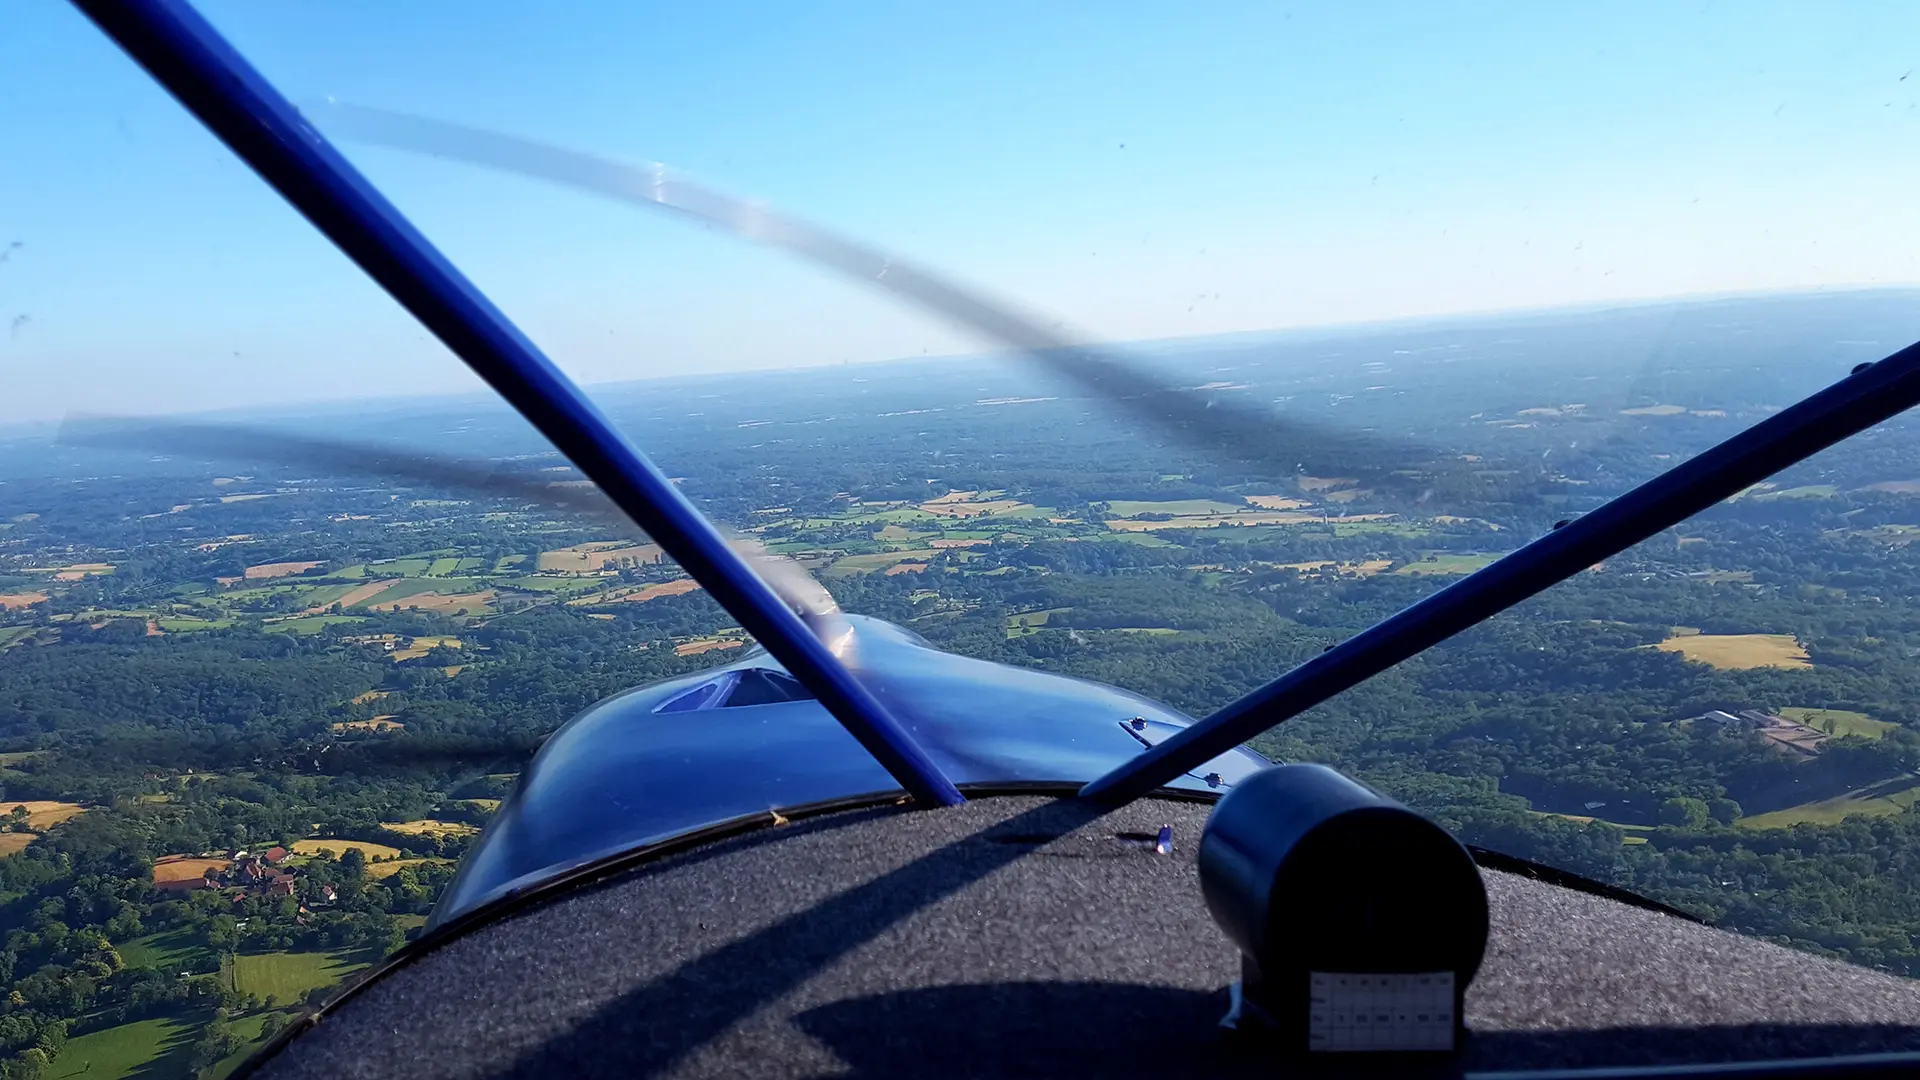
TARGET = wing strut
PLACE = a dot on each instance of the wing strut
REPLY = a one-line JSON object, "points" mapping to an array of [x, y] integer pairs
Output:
{"points": [[1872, 394], [184, 53]]}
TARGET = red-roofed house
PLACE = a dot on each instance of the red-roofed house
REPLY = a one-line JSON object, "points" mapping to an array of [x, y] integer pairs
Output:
{"points": [[275, 855]]}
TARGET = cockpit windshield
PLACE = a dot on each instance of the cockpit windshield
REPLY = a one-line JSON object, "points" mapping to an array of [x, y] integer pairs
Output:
{"points": [[1373, 299]]}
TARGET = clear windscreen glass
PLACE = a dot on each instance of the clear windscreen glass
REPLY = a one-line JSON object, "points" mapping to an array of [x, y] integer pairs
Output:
{"points": [[1160, 349]]}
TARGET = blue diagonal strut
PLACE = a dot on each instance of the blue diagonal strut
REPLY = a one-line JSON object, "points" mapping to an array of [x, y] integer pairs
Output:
{"points": [[1871, 395], [195, 64]]}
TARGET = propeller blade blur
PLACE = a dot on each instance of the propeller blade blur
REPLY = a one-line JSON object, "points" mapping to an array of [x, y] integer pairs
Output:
{"points": [[804, 595], [1251, 434]]}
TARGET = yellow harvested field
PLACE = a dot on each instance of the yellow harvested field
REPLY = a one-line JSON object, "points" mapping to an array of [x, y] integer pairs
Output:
{"points": [[1739, 651], [371, 695], [186, 867], [380, 870], [430, 827], [339, 847], [444, 603], [1322, 483], [952, 497], [597, 556], [1364, 569], [706, 645], [907, 568], [680, 587], [974, 509], [10, 601], [378, 723], [422, 646], [280, 569], [44, 813], [1228, 521], [14, 843], [366, 592], [489, 805], [1276, 502]]}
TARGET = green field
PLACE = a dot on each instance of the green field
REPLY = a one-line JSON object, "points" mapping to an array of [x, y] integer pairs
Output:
{"points": [[890, 516], [1127, 508], [445, 566], [1845, 721], [322, 595], [288, 976], [248, 1029], [1030, 622], [866, 564], [538, 583], [183, 625], [1806, 491], [1880, 800], [400, 567], [1376, 528], [414, 586], [171, 950], [1144, 539], [306, 624], [1444, 563], [114, 1052]]}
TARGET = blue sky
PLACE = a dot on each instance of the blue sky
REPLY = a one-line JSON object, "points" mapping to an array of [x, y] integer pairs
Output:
{"points": [[1136, 170]]}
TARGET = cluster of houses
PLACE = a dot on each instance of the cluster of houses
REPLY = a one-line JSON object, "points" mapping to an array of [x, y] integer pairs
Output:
{"points": [[260, 874]]}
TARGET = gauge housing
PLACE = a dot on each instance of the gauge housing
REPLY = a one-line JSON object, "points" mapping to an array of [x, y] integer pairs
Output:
{"points": [[1360, 922]]}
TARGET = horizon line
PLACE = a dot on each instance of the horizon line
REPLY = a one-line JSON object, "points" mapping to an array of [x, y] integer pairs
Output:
{"points": [[14, 429]]}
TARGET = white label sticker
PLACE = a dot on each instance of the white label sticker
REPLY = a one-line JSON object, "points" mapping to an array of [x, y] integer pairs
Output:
{"points": [[1351, 1011]]}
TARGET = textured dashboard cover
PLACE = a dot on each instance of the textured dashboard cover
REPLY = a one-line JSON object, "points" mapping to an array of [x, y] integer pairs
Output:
{"points": [[1016, 937]]}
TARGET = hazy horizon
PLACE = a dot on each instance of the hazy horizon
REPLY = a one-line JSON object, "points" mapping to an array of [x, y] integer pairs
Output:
{"points": [[1136, 172], [1147, 350]]}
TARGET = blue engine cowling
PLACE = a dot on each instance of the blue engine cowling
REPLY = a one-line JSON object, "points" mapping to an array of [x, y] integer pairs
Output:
{"points": [[661, 760]]}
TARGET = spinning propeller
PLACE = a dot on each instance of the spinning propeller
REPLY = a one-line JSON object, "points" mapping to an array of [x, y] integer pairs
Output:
{"points": [[1259, 436]]}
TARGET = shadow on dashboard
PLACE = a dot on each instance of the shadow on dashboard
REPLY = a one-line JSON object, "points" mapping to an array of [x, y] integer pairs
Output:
{"points": [[1104, 1029]]}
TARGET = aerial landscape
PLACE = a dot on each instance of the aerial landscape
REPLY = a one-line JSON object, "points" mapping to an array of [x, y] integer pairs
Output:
{"points": [[254, 709]]}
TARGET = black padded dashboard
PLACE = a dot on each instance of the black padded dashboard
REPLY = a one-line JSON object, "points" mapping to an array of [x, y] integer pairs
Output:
{"points": [[1014, 937]]}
